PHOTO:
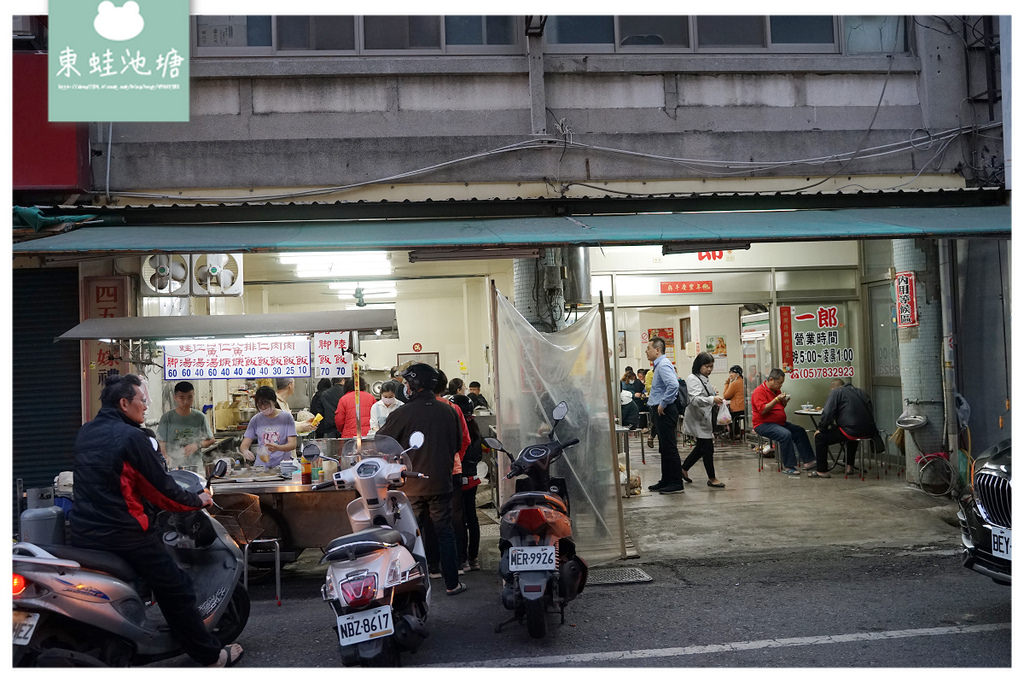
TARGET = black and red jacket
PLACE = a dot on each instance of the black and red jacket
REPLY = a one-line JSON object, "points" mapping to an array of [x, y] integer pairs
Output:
{"points": [[118, 475]]}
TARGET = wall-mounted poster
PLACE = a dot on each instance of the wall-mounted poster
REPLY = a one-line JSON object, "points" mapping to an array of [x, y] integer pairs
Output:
{"points": [[685, 331], [716, 346], [669, 335], [620, 343]]}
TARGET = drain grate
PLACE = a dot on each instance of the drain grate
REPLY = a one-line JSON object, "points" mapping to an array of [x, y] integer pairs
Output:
{"points": [[605, 577]]}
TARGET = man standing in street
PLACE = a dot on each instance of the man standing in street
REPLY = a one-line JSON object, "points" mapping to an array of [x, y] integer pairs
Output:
{"points": [[662, 402], [430, 498], [118, 475], [768, 405], [846, 417]]}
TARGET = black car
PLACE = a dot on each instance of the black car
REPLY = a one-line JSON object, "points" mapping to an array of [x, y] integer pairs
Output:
{"points": [[985, 515]]}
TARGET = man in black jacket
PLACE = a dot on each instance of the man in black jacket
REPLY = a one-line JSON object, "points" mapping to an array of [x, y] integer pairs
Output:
{"points": [[119, 476], [329, 401], [442, 432], [846, 417]]}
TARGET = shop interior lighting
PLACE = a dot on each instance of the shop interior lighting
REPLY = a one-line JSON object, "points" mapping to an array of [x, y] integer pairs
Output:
{"points": [[694, 247], [445, 254], [321, 264]]}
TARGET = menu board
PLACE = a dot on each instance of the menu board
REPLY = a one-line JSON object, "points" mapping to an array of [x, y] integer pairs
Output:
{"points": [[237, 358], [817, 342], [331, 356]]}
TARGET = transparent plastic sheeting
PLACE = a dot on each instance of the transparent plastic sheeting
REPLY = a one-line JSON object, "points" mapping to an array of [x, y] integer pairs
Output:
{"points": [[535, 371]]}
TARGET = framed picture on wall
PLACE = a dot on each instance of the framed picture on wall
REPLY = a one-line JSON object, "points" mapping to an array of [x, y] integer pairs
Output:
{"points": [[433, 359], [620, 343]]}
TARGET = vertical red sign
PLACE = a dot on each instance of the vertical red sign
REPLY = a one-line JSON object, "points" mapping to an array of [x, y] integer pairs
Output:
{"points": [[786, 331], [906, 299], [103, 297]]}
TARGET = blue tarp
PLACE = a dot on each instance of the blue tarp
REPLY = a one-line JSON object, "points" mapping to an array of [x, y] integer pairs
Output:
{"points": [[752, 226]]}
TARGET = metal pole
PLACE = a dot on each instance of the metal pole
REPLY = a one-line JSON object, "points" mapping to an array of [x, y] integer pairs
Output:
{"points": [[611, 428], [948, 355], [495, 476]]}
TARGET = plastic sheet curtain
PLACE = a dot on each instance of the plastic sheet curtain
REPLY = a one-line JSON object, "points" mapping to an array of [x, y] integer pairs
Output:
{"points": [[535, 371]]}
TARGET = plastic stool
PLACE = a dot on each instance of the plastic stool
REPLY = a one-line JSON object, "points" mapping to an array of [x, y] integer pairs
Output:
{"points": [[277, 564]]}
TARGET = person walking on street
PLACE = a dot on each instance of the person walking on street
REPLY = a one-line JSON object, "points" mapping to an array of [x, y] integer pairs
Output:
{"points": [[662, 400], [698, 420], [846, 417], [468, 537], [768, 408], [430, 498], [119, 479]]}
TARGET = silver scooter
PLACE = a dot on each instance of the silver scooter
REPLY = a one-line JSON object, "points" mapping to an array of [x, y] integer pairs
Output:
{"points": [[81, 607], [377, 581]]}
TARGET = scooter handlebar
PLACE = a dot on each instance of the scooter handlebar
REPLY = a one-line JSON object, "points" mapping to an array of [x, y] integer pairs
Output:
{"points": [[415, 475], [571, 442], [323, 485]]}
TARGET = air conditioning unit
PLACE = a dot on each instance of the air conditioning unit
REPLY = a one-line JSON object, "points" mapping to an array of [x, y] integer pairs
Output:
{"points": [[191, 275]]}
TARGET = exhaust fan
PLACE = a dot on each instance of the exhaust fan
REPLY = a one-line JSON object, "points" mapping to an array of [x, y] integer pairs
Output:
{"points": [[216, 275], [164, 275]]}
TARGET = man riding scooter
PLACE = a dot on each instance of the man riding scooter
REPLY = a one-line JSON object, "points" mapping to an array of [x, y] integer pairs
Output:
{"points": [[119, 475]]}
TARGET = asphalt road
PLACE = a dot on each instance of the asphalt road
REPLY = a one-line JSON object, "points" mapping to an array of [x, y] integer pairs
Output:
{"points": [[833, 608]]}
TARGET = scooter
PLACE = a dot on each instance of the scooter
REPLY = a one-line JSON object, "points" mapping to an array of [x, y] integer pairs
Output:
{"points": [[81, 607], [377, 582], [539, 566]]}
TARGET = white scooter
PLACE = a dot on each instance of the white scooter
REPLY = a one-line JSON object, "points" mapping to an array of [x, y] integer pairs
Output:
{"points": [[377, 581]]}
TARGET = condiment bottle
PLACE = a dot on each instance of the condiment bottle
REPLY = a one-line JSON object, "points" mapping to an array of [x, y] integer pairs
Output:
{"points": [[307, 472]]}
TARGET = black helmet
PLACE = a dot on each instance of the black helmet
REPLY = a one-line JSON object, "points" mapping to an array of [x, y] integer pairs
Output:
{"points": [[464, 403], [420, 376], [737, 369]]}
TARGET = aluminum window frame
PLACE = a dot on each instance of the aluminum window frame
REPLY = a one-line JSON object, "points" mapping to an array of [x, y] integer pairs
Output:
{"points": [[517, 48]]}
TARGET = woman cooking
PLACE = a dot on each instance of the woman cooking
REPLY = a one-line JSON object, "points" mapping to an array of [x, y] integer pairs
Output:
{"points": [[273, 430]]}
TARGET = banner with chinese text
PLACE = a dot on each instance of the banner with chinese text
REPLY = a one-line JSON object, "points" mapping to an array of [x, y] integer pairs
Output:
{"points": [[237, 358], [817, 344], [103, 297], [331, 357]]}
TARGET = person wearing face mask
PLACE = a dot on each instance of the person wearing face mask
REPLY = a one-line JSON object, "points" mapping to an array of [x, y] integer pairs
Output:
{"points": [[272, 428], [384, 407]]}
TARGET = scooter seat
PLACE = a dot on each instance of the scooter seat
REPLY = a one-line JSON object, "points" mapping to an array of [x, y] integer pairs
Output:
{"points": [[100, 560], [361, 543], [534, 499]]}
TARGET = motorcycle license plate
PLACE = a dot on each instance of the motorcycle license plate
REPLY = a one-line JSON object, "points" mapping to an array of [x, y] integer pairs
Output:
{"points": [[359, 626], [533, 558], [24, 625]]}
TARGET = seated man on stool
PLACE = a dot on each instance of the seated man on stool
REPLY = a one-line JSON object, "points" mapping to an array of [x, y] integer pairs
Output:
{"points": [[768, 414], [846, 417]]}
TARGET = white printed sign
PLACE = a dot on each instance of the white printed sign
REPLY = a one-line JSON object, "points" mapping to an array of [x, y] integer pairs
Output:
{"points": [[331, 357], [237, 358]]}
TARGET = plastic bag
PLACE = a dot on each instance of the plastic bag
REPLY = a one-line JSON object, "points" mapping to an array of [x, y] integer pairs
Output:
{"points": [[724, 417]]}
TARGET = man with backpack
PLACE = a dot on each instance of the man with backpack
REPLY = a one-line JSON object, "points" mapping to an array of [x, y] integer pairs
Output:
{"points": [[665, 412]]}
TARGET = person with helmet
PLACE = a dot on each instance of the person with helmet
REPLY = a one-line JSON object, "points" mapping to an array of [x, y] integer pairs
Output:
{"points": [[430, 498]]}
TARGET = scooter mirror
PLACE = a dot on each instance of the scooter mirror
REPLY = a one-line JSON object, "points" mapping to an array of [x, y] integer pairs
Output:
{"points": [[219, 470], [560, 411], [415, 440], [494, 444], [311, 451]]}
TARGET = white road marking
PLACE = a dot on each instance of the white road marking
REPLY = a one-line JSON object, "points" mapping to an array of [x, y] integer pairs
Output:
{"points": [[623, 655]]}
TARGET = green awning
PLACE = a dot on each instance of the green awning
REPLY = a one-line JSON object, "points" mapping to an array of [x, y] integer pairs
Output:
{"points": [[633, 229]]}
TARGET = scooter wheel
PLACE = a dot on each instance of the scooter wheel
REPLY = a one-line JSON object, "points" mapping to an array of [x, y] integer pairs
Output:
{"points": [[536, 623]]}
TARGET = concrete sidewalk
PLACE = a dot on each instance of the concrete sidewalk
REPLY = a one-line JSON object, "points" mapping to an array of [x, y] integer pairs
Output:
{"points": [[767, 511]]}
